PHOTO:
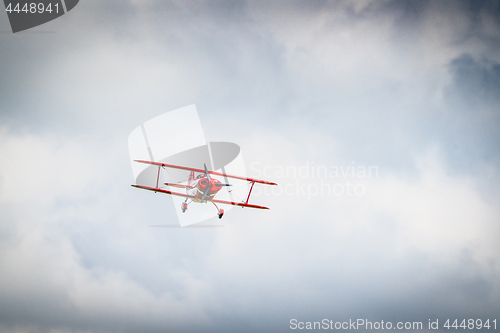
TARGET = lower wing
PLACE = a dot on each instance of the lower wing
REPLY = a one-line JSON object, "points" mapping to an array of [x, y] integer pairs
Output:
{"points": [[241, 204], [162, 191]]}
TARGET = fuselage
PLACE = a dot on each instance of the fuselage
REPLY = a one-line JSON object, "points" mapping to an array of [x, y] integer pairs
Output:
{"points": [[201, 185]]}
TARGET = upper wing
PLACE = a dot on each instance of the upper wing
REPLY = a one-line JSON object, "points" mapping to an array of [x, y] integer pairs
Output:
{"points": [[203, 171], [162, 191], [241, 204]]}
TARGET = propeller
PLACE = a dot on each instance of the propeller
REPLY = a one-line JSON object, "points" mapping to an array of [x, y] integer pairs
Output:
{"points": [[220, 184], [209, 185], [206, 172], [205, 193]]}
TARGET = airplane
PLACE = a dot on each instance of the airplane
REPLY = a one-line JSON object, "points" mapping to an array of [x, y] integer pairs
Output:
{"points": [[202, 188]]}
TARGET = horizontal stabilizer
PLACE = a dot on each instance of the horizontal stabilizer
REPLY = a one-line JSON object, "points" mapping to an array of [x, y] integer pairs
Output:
{"points": [[162, 191], [179, 185]]}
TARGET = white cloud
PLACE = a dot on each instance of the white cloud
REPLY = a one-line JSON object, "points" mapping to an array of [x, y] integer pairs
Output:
{"points": [[39, 263]]}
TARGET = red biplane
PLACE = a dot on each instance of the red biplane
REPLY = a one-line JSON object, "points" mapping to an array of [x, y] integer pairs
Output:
{"points": [[202, 188]]}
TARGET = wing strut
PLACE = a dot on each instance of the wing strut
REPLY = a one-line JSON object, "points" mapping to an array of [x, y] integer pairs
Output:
{"points": [[253, 183], [158, 177]]}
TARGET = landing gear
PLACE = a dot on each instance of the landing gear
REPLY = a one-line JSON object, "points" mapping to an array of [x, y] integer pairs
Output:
{"points": [[184, 206], [220, 212]]}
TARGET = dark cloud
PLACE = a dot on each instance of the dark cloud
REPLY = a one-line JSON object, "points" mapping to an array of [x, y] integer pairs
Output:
{"points": [[469, 125], [476, 84]]}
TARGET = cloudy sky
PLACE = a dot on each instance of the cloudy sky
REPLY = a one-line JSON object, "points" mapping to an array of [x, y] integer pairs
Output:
{"points": [[407, 89]]}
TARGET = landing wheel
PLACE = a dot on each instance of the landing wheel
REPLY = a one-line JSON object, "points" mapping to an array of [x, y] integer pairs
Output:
{"points": [[220, 211], [184, 207]]}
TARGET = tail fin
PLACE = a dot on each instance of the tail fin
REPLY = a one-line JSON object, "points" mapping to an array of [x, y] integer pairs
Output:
{"points": [[191, 179]]}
